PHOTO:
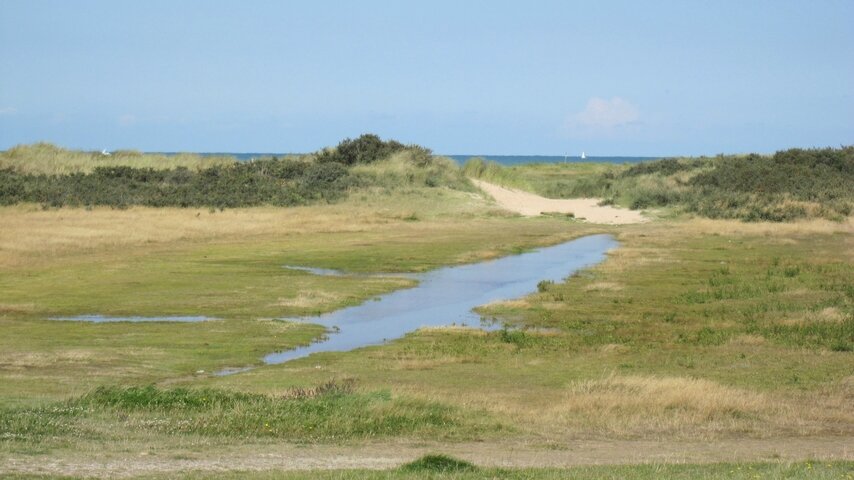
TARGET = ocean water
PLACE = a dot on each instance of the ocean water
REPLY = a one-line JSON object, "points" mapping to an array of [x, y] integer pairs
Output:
{"points": [[502, 159], [523, 159]]}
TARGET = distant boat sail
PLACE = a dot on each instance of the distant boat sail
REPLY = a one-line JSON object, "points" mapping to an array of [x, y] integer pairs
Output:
{"points": [[583, 156]]}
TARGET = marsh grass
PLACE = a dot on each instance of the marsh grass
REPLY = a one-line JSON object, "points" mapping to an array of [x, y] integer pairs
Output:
{"points": [[693, 329]]}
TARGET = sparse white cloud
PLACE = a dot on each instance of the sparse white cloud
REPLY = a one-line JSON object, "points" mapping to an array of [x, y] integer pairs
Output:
{"points": [[602, 115], [126, 119], [8, 110]]}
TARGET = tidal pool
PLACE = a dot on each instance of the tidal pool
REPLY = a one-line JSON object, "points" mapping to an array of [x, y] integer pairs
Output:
{"points": [[134, 319], [447, 296]]}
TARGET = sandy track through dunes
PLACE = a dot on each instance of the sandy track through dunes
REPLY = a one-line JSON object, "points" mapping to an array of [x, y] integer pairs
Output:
{"points": [[531, 205], [383, 456]]}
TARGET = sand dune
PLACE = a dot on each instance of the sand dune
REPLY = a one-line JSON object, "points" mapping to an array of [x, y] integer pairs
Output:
{"points": [[531, 205]]}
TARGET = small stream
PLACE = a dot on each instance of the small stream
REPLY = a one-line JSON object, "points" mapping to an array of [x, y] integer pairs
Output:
{"points": [[446, 296]]}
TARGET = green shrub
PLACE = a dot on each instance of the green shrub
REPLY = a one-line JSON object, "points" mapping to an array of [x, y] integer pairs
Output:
{"points": [[438, 464], [365, 149]]}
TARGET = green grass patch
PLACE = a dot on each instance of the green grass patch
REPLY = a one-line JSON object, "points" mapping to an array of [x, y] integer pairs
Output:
{"points": [[332, 411]]}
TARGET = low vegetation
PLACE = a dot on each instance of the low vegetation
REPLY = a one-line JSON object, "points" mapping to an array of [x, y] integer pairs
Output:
{"points": [[789, 185], [332, 411], [55, 177]]}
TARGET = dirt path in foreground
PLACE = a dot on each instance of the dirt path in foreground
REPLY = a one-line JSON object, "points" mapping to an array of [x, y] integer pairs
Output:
{"points": [[384, 455], [531, 205]]}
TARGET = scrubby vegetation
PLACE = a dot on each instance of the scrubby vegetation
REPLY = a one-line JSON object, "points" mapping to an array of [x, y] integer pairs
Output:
{"points": [[788, 185], [325, 176]]}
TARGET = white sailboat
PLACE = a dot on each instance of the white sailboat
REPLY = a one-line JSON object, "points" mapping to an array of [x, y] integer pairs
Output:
{"points": [[583, 156]]}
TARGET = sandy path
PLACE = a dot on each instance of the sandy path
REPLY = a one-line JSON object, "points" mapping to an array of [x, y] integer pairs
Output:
{"points": [[531, 205], [383, 456]]}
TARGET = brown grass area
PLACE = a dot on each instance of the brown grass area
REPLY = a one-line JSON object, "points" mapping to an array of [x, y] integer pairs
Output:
{"points": [[652, 406], [736, 227], [30, 232]]}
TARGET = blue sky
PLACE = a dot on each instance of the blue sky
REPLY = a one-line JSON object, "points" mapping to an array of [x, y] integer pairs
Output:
{"points": [[461, 77]]}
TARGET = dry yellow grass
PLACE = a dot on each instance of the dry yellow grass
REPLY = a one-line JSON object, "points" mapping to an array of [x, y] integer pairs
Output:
{"points": [[734, 227], [749, 340], [45, 158], [649, 406], [603, 286], [31, 234]]}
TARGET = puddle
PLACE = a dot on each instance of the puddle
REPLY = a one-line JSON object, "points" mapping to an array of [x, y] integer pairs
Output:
{"points": [[326, 272], [133, 319], [447, 296]]}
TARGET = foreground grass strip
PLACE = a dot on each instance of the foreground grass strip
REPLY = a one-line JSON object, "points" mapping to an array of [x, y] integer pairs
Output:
{"points": [[332, 411], [812, 470]]}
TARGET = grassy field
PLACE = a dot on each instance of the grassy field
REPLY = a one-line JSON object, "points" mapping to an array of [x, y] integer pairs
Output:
{"points": [[692, 330]]}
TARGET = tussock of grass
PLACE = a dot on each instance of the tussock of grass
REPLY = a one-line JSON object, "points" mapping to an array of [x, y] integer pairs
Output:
{"points": [[626, 405], [438, 463]]}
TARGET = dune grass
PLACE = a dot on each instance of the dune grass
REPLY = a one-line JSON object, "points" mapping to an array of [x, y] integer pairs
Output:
{"points": [[49, 159], [494, 172]]}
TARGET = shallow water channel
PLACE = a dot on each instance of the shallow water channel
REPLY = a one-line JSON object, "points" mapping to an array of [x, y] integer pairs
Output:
{"points": [[446, 296]]}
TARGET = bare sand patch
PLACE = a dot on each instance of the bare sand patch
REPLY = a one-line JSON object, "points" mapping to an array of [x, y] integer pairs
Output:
{"points": [[532, 205]]}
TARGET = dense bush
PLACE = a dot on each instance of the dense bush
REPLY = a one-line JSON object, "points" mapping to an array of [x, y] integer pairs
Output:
{"points": [[274, 182], [367, 148], [786, 186]]}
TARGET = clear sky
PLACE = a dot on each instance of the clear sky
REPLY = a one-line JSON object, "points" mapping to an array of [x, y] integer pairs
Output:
{"points": [[461, 77]]}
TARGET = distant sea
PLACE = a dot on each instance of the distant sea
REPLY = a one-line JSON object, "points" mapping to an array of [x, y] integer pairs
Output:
{"points": [[502, 159]]}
